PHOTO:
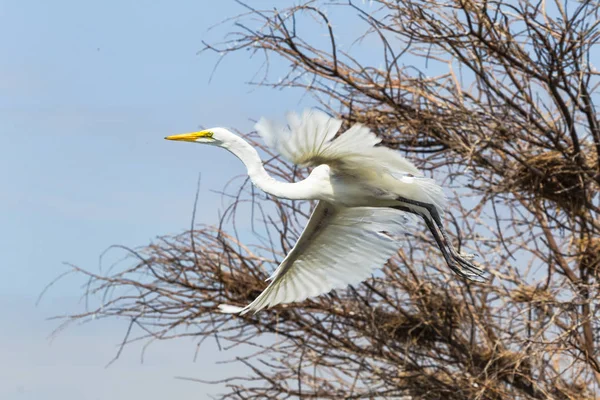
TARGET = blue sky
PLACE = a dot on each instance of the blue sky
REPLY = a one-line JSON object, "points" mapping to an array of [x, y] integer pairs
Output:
{"points": [[88, 90]]}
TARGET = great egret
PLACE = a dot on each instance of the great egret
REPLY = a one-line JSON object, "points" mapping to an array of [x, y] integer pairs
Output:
{"points": [[367, 195]]}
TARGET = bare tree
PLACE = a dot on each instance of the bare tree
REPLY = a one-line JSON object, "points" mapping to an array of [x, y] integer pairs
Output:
{"points": [[510, 127]]}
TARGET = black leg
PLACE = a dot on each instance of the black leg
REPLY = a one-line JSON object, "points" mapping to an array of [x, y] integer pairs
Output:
{"points": [[443, 247], [434, 215], [434, 232], [464, 268]]}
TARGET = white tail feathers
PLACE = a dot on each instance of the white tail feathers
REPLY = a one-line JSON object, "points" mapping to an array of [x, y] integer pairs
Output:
{"points": [[434, 193], [422, 189]]}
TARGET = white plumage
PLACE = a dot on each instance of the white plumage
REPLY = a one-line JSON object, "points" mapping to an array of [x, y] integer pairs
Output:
{"points": [[340, 246], [368, 196], [308, 141]]}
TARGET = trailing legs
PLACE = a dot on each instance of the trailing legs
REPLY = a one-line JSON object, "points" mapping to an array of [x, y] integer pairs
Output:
{"points": [[459, 263]]}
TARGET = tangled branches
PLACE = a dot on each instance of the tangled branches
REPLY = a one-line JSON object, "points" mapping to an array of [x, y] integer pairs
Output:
{"points": [[510, 123]]}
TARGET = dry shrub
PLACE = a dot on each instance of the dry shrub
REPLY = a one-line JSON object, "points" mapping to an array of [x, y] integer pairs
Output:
{"points": [[509, 127]]}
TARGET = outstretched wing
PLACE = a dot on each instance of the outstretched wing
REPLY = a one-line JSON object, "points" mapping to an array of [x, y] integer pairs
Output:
{"points": [[308, 140], [338, 247]]}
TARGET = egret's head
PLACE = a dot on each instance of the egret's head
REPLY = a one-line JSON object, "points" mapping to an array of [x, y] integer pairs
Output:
{"points": [[214, 136]]}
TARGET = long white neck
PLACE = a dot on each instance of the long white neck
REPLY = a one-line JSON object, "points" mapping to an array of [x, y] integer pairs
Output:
{"points": [[303, 190]]}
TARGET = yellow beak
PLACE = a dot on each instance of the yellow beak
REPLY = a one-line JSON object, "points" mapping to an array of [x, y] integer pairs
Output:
{"points": [[191, 136]]}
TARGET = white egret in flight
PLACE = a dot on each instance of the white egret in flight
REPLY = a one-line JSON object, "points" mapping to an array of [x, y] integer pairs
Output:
{"points": [[367, 195]]}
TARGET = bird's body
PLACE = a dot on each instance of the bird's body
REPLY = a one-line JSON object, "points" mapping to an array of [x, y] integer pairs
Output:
{"points": [[368, 195]]}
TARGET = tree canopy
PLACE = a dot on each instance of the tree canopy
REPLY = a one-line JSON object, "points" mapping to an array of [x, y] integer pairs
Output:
{"points": [[507, 123]]}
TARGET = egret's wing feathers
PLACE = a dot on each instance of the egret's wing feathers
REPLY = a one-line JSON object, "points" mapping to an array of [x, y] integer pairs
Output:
{"points": [[309, 140], [338, 247], [303, 139]]}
